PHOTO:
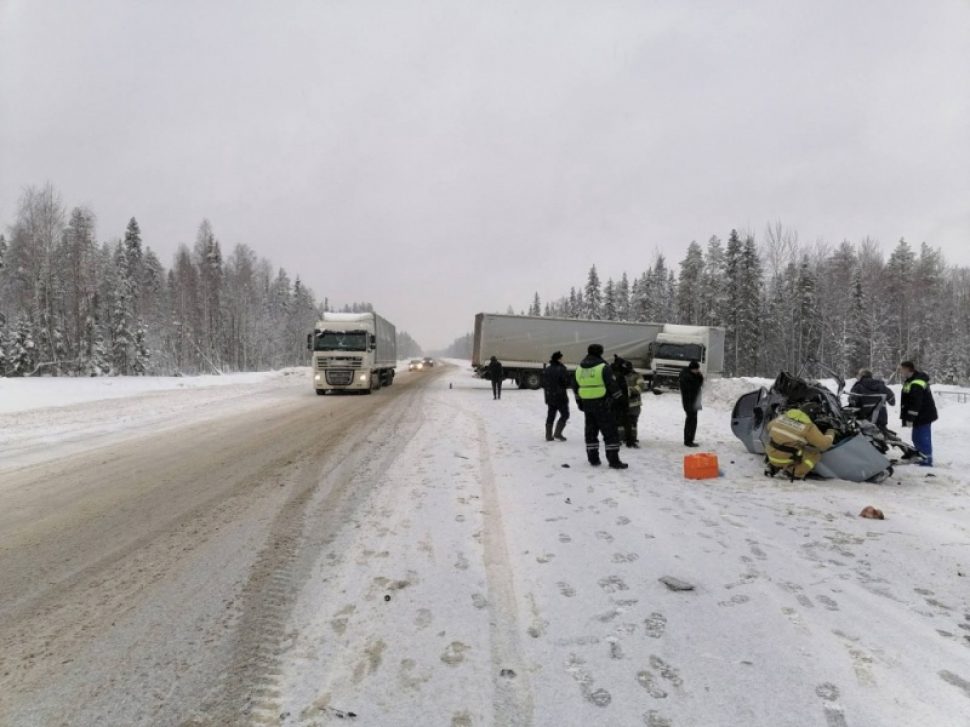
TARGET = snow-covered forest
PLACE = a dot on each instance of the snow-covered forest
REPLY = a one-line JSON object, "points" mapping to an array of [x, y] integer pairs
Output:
{"points": [[71, 305], [785, 304]]}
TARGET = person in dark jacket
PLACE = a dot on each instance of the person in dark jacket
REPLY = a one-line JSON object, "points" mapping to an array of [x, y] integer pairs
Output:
{"points": [[917, 409], [621, 405], [495, 374], [868, 391], [634, 388], [555, 382], [691, 382], [596, 389]]}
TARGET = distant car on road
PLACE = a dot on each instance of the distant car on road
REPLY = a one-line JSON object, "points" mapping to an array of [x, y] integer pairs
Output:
{"points": [[416, 364], [427, 361]]}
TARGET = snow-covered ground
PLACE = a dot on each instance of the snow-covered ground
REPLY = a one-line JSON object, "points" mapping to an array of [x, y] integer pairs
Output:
{"points": [[47, 417], [45, 392], [478, 575], [494, 576]]}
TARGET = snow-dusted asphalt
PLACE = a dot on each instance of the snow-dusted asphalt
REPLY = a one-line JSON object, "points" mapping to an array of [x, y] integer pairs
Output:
{"points": [[255, 554]]}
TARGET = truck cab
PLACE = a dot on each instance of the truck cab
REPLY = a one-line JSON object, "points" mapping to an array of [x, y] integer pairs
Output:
{"points": [[677, 345], [352, 352]]}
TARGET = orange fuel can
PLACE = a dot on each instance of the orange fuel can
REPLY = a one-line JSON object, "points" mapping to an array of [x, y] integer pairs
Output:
{"points": [[701, 466]]}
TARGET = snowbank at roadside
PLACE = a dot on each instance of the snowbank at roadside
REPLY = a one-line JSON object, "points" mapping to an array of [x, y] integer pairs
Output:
{"points": [[24, 394]]}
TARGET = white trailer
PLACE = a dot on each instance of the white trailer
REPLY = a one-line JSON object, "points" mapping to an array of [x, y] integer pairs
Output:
{"points": [[352, 352], [677, 345], [524, 343]]}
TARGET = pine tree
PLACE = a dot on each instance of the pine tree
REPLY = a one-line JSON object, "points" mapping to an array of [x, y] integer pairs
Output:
{"points": [[808, 315], [22, 350], [929, 306], [122, 316], [609, 301], [623, 298], [690, 288], [536, 308], [4, 339], [749, 308], [732, 259], [640, 295], [859, 337], [134, 259], [714, 290], [141, 353], [897, 289], [593, 297]]}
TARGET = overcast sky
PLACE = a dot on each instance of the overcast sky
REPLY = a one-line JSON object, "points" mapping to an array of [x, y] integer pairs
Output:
{"points": [[442, 158]]}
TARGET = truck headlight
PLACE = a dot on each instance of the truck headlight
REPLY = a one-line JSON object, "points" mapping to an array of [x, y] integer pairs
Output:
{"points": [[317, 377], [363, 377]]}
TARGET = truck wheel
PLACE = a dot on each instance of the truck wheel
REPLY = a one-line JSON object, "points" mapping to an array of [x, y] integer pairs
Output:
{"points": [[321, 392], [531, 380]]}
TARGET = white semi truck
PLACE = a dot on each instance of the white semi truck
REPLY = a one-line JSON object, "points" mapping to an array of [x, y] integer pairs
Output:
{"points": [[658, 350], [352, 352], [677, 345]]}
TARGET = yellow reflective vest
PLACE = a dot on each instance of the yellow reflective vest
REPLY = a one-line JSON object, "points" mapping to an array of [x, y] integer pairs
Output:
{"points": [[591, 382]]}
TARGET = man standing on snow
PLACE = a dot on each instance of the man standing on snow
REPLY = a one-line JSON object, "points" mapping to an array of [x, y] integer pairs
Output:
{"points": [[866, 389], [691, 382], [596, 389], [495, 374], [917, 409], [621, 405], [555, 382], [634, 386]]}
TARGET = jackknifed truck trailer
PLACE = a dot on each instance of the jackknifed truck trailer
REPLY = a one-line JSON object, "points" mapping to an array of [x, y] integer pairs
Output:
{"points": [[657, 350], [352, 352]]}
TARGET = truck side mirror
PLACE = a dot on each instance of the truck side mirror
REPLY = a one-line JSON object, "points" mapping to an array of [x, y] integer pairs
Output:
{"points": [[309, 342], [373, 341]]}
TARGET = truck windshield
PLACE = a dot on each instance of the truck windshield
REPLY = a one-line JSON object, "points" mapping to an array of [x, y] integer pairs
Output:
{"points": [[680, 351], [340, 341]]}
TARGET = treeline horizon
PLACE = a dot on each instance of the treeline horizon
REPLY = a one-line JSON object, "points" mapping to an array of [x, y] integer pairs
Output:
{"points": [[790, 307], [76, 306]]}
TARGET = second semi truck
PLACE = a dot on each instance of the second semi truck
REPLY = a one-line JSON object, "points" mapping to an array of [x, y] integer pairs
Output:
{"points": [[658, 350]]}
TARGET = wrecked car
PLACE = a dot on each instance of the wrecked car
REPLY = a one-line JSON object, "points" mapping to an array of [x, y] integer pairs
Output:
{"points": [[862, 452]]}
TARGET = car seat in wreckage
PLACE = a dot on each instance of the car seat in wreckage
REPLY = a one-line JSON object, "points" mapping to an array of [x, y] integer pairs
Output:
{"points": [[853, 457]]}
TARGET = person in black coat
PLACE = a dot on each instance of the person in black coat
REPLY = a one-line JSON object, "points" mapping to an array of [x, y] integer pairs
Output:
{"points": [[918, 409], [691, 382], [556, 384], [867, 391], [621, 405], [496, 373], [596, 390]]}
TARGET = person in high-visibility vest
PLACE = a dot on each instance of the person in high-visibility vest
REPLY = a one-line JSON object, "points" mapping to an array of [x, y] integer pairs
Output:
{"points": [[917, 409], [596, 389], [795, 443]]}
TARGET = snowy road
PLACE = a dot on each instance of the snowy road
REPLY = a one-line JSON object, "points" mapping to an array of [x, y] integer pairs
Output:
{"points": [[422, 557]]}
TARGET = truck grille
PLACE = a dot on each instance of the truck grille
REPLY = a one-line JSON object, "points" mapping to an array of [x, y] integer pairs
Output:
{"points": [[339, 377], [339, 362], [671, 371]]}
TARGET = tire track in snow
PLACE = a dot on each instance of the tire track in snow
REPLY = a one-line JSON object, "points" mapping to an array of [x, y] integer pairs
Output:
{"points": [[514, 699], [251, 692]]}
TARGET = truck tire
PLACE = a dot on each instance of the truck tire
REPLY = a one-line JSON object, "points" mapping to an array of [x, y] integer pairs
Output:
{"points": [[321, 392], [530, 380]]}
